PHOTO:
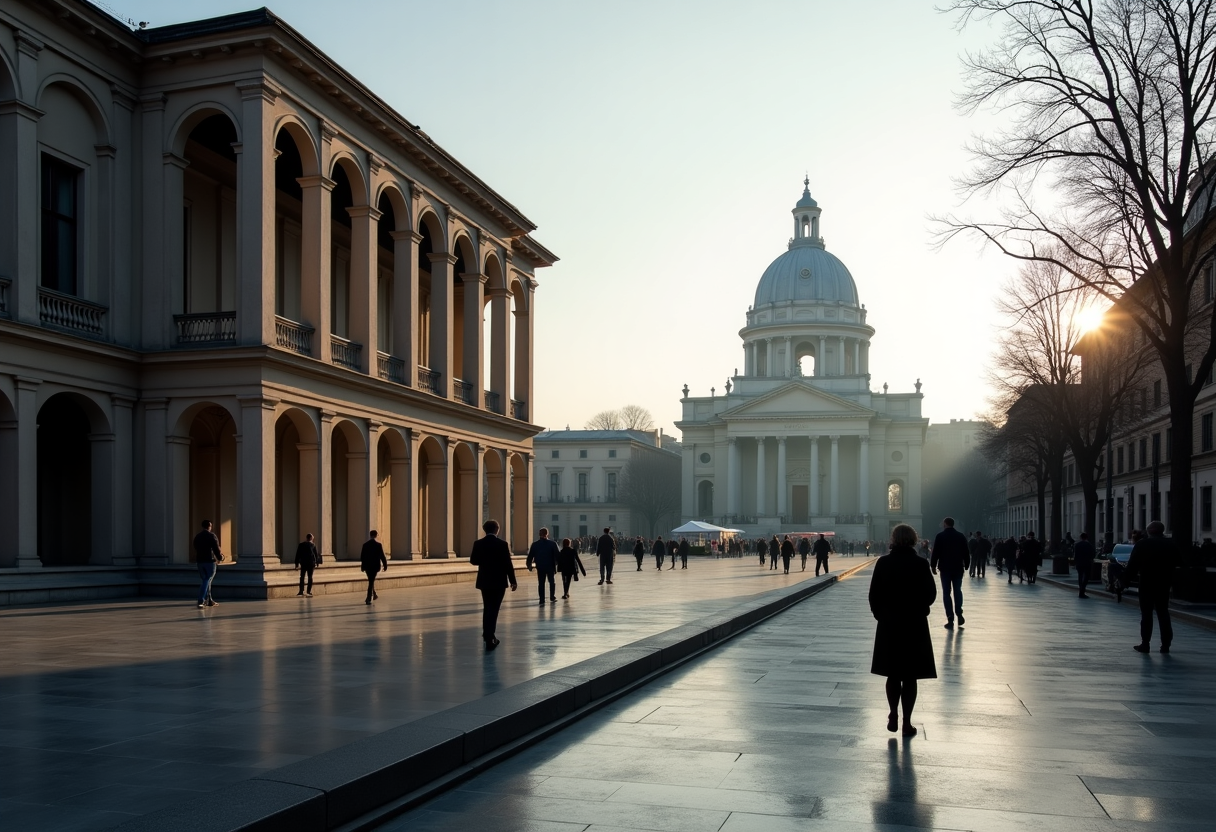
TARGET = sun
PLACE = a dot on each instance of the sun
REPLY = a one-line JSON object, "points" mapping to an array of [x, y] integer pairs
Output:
{"points": [[1090, 319]]}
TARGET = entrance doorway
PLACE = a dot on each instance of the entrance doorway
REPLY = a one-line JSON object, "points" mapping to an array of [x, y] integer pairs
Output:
{"points": [[800, 504]]}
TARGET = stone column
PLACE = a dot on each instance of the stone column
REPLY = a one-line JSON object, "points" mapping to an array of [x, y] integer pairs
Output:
{"points": [[180, 528], [27, 471], [500, 351], [688, 479], [402, 517], [840, 357], [474, 355], [821, 360], [781, 486], [814, 495], [364, 285], [10, 486], [124, 480], [768, 361], [325, 535], [857, 357], [789, 357], [834, 494], [312, 518], [19, 215], [444, 520], [521, 521], [760, 473], [865, 358], [255, 463], [154, 284], [373, 478], [158, 489], [747, 359], [405, 301], [316, 264], [255, 276], [863, 504], [499, 493], [732, 476], [416, 474], [441, 322]]}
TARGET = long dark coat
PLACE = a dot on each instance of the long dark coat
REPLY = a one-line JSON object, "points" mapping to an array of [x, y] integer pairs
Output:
{"points": [[901, 593]]}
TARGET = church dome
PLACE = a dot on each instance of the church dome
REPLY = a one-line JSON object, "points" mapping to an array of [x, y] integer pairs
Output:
{"points": [[806, 273]]}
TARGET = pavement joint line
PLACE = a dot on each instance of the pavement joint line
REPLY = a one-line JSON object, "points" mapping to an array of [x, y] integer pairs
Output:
{"points": [[314, 795]]}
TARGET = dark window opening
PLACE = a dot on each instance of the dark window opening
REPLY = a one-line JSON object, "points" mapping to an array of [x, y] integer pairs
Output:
{"points": [[59, 220]]}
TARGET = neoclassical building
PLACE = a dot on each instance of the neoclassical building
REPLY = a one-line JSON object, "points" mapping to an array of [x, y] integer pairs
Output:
{"points": [[799, 441], [235, 284]]}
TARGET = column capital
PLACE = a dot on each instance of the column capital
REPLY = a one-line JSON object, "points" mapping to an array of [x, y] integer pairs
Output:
{"points": [[865, 439], [780, 440], [360, 211], [483, 279], [156, 404], [405, 236], [27, 383], [260, 87], [327, 416], [27, 44], [119, 400], [760, 441], [834, 439], [730, 440], [174, 161], [307, 182], [442, 257], [258, 400]]}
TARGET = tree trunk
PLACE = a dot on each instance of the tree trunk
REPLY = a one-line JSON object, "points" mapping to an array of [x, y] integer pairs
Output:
{"points": [[1041, 487]]}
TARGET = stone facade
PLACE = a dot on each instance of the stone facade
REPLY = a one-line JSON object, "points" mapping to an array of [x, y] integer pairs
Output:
{"points": [[235, 285]]}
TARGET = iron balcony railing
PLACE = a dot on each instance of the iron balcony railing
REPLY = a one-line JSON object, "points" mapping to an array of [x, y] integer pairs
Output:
{"points": [[493, 402], [293, 336], [205, 327], [5, 312], [390, 368], [70, 312], [345, 352], [519, 410], [464, 392], [428, 380]]}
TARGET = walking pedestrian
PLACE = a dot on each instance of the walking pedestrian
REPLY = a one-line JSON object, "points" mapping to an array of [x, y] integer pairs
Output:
{"points": [[949, 560], [761, 549], [1031, 558], [684, 547], [787, 552], [1083, 556], [605, 548], [492, 557], [543, 554], [569, 564], [804, 549], [673, 550], [207, 556], [821, 549], [639, 551], [901, 597], [659, 550], [307, 559], [774, 552], [1153, 559], [372, 561]]}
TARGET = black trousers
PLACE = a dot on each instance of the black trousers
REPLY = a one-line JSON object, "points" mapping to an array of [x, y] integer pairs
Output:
{"points": [[541, 578], [304, 572], [371, 584], [491, 600], [1156, 601], [821, 561], [566, 579], [1083, 568]]}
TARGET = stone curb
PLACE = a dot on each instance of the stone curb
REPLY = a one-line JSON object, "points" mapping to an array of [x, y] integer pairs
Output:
{"points": [[369, 780]]}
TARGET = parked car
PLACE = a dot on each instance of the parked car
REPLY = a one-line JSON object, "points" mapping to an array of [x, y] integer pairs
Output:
{"points": [[1114, 570]]}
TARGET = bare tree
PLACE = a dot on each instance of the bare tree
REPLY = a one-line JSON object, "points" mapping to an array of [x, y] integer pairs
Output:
{"points": [[1110, 107], [605, 420], [650, 486], [1043, 352], [636, 417]]}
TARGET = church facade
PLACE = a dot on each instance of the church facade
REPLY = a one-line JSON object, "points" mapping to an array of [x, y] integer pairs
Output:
{"points": [[800, 442]]}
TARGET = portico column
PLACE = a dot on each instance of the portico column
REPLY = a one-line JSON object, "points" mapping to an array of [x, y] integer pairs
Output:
{"points": [[414, 482], [449, 492], [315, 264], [768, 361], [863, 504], [760, 473], [157, 488], [19, 217], [27, 472], [497, 480], [815, 470], [789, 357], [325, 535], [912, 491], [255, 485], [124, 480], [857, 356], [500, 352], [255, 221], [474, 354], [840, 357], [441, 322], [732, 476], [364, 285], [781, 507], [405, 301], [821, 360], [834, 495]]}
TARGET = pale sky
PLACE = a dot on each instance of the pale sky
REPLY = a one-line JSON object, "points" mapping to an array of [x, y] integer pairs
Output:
{"points": [[660, 145]]}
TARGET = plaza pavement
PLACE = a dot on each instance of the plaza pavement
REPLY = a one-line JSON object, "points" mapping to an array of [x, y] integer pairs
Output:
{"points": [[1043, 718], [117, 709]]}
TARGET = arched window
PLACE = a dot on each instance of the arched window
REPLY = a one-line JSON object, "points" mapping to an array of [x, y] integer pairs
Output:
{"points": [[895, 497]]}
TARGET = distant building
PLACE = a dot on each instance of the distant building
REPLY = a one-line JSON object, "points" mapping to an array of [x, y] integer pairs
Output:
{"points": [[236, 285], [959, 481], [579, 476], [798, 440]]}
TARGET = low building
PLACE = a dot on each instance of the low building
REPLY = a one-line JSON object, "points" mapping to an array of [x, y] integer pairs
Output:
{"points": [[236, 285], [581, 480]]}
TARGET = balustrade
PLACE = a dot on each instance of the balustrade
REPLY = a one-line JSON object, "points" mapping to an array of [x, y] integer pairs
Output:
{"points": [[293, 336], [464, 392], [519, 410], [428, 380], [4, 286], [391, 368], [493, 402], [205, 327], [70, 312], [344, 352]]}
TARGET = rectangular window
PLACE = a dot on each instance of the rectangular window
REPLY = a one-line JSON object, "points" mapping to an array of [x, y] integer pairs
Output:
{"points": [[556, 531], [1205, 432], [1118, 518], [582, 487], [554, 518], [59, 220], [611, 518], [555, 488], [582, 531], [1205, 508], [612, 487], [582, 517], [1190, 370], [1157, 393], [554, 454], [582, 454], [1119, 460], [1131, 456]]}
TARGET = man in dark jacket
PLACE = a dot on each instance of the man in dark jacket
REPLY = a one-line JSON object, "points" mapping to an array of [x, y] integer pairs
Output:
{"points": [[684, 552], [1153, 560], [307, 559], [821, 549], [371, 561], [950, 560], [1083, 555], [804, 549], [492, 557], [639, 551], [605, 547], [543, 553], [206, 555]]}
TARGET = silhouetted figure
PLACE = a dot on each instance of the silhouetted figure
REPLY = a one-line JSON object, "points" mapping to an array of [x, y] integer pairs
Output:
{"points": [[492, 557], [207, 556], [371, 561], [569, 564], [1153, 559], [950, 557], [543, 555], [822, 549], [307, 559], [1083, 556]]}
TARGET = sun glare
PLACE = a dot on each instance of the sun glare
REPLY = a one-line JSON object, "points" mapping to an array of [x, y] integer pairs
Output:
{"points": [[1090, 319]]}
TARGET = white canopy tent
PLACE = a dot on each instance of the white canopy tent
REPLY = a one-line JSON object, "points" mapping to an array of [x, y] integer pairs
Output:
{"points": [[697, 527]]}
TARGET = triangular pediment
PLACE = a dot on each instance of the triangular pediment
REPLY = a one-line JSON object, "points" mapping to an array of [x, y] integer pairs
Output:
{"points": [[797, 400]]}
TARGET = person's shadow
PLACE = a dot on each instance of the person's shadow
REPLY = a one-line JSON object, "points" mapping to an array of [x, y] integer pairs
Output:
{"points": [[901, 806]]}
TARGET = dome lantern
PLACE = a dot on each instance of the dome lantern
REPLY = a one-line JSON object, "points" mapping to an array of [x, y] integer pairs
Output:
{"points": [[806, 219]]}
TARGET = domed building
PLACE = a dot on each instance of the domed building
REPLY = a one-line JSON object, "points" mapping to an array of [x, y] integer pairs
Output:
{"points": [[799, 441]]}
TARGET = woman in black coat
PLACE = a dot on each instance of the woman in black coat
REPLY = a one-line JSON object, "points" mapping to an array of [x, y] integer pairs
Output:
{"points": [[569, 564], [901, 593]]}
